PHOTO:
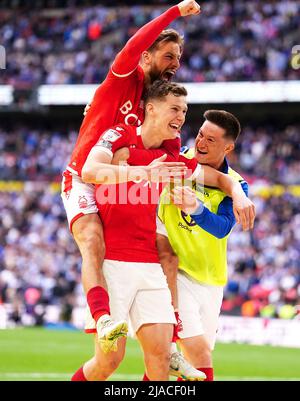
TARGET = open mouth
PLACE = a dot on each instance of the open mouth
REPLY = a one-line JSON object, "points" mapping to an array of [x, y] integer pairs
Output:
{"points": [[201, 153], [175, 127], [168, 75]]}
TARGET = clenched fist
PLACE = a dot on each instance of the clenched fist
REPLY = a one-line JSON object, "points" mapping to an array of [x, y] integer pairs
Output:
{"points": [[189, 7]]}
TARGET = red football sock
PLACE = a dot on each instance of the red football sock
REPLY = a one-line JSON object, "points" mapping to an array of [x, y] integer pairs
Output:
{"points": [[79, 376], [145, 378], [175, 335], [98, 301], [177, 327], [209, 374]]}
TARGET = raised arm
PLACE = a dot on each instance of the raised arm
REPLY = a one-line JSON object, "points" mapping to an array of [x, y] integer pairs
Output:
{"points": [[128, 58]]}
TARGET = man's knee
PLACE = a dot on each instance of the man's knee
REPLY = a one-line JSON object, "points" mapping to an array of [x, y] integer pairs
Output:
{"points": [[158, 356], [106, 366], [101, 368], [203, 355], [112, 364], [198, 352]]}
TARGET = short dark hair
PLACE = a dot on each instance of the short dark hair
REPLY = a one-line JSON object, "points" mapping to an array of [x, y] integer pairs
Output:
{"points": [[225, 120], [168, 35], [160, 89]]}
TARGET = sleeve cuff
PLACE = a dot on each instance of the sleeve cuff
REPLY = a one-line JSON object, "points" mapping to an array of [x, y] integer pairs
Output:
{"points": [[199, 211]]}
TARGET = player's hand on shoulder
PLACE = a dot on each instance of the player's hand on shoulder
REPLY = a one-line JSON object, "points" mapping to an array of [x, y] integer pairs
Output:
{"points": [[160, 171], [189, 7], [244, 212], [121, 156]]}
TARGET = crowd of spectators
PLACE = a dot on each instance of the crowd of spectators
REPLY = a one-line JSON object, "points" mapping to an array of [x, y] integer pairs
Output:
{"points": [[230, 41], [34, 154], [40, 263], [268, 153], [264, 266]]}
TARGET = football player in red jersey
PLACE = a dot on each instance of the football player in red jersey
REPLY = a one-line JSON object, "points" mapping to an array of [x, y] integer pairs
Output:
{"points": [[136, 283], [150, 54]]}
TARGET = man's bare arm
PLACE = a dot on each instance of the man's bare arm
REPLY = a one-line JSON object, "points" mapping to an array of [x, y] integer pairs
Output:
{"points": [[243, 207], [98, 169]]}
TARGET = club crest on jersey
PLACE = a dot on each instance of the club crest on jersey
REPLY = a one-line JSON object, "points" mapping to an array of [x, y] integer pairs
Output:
{"points": [[82, 202]]}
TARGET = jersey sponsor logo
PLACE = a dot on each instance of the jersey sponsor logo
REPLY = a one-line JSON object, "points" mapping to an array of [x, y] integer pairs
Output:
{"points": [[188, 228], [184, 227], [130, 119], [82, 202], [126, 108], [111, 135], [200, 188]]}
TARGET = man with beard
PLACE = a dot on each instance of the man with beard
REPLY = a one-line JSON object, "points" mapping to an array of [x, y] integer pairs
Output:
{"points": [[150, 54]]}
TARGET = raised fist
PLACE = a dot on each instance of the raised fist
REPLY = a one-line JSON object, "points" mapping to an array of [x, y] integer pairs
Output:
{"points": [[189, 7]]}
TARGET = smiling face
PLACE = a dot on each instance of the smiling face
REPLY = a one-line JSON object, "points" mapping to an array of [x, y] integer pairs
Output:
{"points": [[211, 145], [166, 116], [163, 62]]}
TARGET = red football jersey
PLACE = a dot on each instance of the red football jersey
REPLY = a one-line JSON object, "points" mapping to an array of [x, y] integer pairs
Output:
{"points": [[128, 210], [118, 98]]}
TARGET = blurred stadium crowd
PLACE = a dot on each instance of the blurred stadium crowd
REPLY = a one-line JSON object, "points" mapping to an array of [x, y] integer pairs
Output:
{"points": [[40, 264], [234, 41], [269, 152]]}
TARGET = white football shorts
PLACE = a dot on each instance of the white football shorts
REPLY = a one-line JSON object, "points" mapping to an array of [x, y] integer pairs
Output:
{"points": [[78, 197], [199, 304], [199, 308], [138, 293]]}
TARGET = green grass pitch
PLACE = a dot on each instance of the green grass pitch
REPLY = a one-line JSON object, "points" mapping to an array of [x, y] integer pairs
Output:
{"points": [[43, 355]]}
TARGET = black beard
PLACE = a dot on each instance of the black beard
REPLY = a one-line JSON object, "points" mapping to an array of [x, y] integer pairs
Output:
{"points": [[155, 75]]}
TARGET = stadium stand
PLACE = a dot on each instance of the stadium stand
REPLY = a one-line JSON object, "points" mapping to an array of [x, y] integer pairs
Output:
{"points": [[236, 41], [37, 251]]}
